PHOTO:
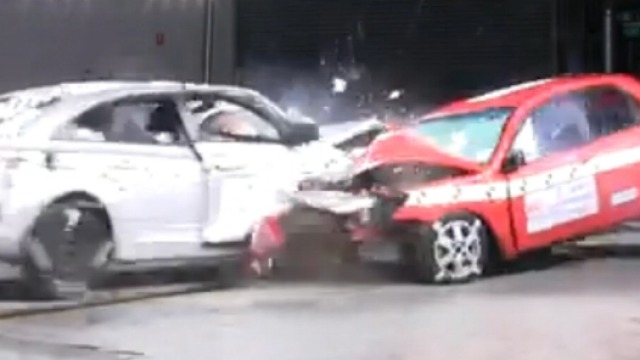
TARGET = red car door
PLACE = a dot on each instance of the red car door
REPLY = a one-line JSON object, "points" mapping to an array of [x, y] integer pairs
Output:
{"points": [[555, 195], [615, 154]]}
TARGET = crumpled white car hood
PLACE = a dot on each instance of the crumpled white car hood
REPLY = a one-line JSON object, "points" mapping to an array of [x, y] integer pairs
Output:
{"points": [[322, 158], [336, 202]]}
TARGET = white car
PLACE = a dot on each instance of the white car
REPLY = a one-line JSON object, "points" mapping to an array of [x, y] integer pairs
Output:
{"points": [[109, 176]]}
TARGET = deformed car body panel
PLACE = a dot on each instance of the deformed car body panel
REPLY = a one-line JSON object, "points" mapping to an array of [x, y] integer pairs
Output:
{"points": [[336, 202], [399, 147], [163, 200], [568, 194]]}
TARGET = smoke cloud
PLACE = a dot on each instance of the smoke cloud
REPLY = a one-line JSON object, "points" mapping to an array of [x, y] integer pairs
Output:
{"points": [[332, 96]]}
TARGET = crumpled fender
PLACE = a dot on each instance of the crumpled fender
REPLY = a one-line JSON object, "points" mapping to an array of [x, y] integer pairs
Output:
{"points": [[269, 237], [336, 202]]}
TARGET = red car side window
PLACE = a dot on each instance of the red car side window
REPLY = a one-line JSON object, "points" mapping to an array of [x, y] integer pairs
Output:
{"points": [[611, 110], [559, 125]]}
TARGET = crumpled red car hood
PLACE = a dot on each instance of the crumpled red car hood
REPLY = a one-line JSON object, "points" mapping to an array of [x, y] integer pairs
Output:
{"points": [[401, 146]]}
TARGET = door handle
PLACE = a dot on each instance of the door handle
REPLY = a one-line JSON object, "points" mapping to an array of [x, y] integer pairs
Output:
{"points": [[49, 160], [226, 164], [124, 165], [228, 167]]}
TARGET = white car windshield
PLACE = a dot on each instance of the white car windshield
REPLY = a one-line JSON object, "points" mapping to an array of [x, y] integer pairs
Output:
{"points": [[472, 136]]}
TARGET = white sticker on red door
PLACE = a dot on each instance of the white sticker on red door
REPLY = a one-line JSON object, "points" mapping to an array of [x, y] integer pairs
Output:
{"points": [[561, 203], [624, 196]]}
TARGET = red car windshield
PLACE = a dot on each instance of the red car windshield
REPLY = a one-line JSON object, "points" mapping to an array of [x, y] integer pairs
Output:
{"points": [[472, 136]]}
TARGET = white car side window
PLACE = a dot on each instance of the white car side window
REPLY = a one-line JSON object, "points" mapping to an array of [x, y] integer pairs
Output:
{"points": [[90, 126], [145, 122], [220, 120]]}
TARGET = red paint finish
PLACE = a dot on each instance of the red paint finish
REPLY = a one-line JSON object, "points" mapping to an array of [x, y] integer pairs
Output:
{"points": [[267, 237], [400, 146], [618, 180], [507, 215], [508, 218], [496, 213]]}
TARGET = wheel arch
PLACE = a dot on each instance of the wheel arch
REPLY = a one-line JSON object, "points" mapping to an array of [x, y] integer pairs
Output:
{"points": [[37, 263], [88, 201], [498, 248], [492, 218], [498, 251]]}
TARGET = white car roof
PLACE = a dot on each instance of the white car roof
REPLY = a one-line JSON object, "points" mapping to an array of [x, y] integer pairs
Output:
{"points": [[114, 88], [21, 107]]}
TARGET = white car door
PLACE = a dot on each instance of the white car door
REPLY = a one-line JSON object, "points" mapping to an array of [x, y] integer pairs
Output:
{"points": [[156, 191], [245, 162], [244, 184]]}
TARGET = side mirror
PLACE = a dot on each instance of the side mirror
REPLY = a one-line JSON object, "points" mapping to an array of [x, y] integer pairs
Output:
{"points": [[513, 161], [298, 133]]}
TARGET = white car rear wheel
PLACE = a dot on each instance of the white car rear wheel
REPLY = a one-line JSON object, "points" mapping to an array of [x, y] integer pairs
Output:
{"points": [[66, 251]]}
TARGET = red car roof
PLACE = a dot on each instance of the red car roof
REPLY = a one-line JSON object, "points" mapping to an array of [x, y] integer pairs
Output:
{"points": [[517, 94]]}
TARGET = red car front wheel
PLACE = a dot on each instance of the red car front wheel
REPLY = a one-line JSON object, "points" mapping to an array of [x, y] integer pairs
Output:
{"points": [[454, 249]]}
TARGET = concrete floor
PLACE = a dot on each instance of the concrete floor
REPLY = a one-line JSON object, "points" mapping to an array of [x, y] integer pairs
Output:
{"points": [[586, 309]]}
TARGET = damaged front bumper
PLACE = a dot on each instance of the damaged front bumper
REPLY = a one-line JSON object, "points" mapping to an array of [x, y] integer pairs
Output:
{"points": [[327, 217], [335, 202]]}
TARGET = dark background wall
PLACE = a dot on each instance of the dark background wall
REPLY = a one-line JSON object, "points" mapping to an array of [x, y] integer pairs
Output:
{"points": [[434, 49], [48, 41]]}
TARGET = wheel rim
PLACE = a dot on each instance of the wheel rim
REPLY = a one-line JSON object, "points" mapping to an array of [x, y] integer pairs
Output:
{"points": [[458, 249], [71, 256], [263, 267]]}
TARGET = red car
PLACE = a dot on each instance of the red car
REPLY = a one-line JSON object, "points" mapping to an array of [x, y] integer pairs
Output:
{"points": [[513, 170]]}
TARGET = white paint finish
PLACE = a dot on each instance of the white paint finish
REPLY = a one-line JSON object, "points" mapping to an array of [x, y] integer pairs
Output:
{"points": [[321, 159], [624, 196], [561, 204], [22, 185], [161, 196], [153, 193], [240, 195], [341, 133], [47, 41], [337, 202], [246, 180]]}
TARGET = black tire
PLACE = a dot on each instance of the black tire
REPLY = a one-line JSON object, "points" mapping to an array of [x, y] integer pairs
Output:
{"points": [[407, 254], [539, 259], [232, 274], [425, 257], [64, 260]]}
